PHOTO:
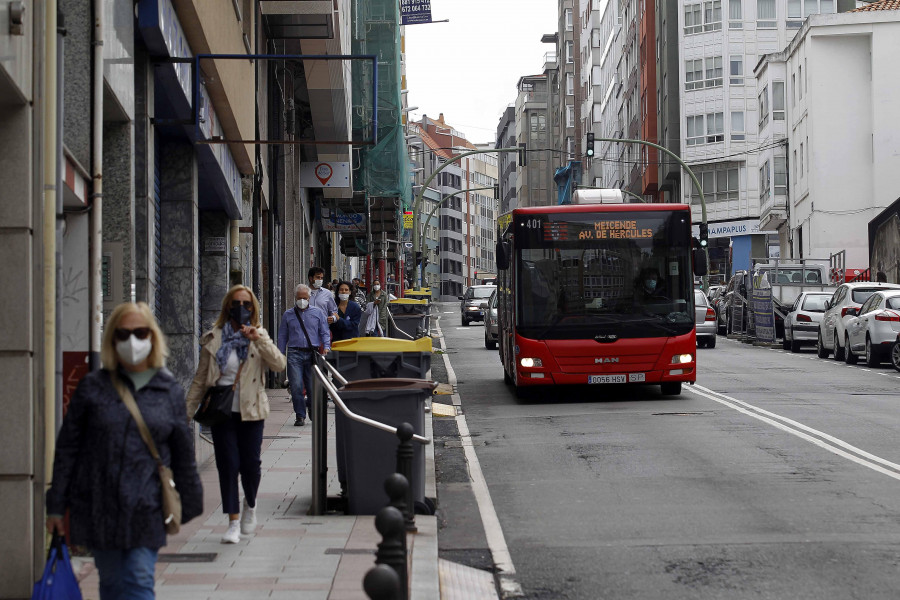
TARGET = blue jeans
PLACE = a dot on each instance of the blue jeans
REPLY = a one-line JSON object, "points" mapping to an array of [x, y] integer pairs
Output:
{"points": [[126, 574], [299, 372], [237, 445]]}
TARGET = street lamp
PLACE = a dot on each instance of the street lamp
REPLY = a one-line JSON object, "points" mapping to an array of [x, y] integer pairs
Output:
{"points": [[409, 109]]}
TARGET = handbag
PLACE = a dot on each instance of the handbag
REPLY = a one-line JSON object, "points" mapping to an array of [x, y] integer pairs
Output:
{"points": [[216, 405], [171, 499], [58, 581]]}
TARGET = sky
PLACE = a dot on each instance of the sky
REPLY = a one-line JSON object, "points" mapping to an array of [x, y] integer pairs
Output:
{"points": [[468, 68]]}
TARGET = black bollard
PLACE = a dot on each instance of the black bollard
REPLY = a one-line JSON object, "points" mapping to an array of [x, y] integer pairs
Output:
{"points": [[397, 487], [381, 583], [405, 454], [391, 552]]}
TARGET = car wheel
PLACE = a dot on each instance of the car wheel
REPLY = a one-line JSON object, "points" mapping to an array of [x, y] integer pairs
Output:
{"points": [[849, 357], [506, 378], [701, 343], [795, 346], [895, 355], [785, 343], [821, 350], [465, 322], [670, 388], [489, 344], [838, 350], [711, 342], [871, 358]]}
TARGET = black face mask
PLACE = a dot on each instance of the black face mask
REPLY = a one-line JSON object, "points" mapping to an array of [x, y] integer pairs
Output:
{"points": [[240, 315]]}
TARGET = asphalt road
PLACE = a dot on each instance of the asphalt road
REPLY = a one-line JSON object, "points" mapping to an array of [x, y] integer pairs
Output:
{"points": [[775, 477]]}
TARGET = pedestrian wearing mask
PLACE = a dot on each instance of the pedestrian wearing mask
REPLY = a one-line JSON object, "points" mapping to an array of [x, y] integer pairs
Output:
{"points": [[320, 296], [303, 331], [349, 312], [359, 292], [237, 351], [103, 471], [380, 300]]}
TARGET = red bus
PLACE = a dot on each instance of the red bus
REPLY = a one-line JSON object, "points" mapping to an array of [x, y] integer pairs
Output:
{"points": [[575, 304]]}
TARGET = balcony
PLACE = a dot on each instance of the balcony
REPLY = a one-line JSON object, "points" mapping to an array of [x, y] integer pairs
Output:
{"points": [[773, 213]]}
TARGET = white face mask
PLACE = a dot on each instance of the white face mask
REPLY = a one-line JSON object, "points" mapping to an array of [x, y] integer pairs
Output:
{"points": [[376, 287], [133, 351], [317, 283], [344, 297], [302, 303]]}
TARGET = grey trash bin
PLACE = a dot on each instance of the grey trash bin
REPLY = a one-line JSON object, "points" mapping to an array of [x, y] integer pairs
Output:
{"points": [[374, 358], [366, 456]]}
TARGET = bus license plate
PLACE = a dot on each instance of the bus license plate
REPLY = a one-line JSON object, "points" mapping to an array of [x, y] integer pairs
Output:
{"points": [[607, 378]]}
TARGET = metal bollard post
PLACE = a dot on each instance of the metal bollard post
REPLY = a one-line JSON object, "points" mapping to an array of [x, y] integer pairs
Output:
{"points": [[381, 583], [391, 552], [405, 454], [397, 488], [318, 420]]}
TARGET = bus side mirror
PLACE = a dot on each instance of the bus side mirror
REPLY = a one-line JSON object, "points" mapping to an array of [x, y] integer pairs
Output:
{"points": [[700, 266], [502, 256]]}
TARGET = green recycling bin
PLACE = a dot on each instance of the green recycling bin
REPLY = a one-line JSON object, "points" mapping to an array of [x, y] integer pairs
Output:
{"points": [[366, 456], [375, 358]]}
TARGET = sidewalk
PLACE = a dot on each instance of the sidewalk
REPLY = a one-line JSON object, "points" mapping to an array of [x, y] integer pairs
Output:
{"points": [[291, 555]]}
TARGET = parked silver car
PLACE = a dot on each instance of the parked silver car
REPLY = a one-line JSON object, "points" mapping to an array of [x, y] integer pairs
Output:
{"points": [[490, 322], [705, 321], [801, 325], [872, 329], [832, 329]]}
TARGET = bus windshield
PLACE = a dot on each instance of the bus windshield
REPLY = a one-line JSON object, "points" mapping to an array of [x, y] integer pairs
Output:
{"points": [[603, 275]]}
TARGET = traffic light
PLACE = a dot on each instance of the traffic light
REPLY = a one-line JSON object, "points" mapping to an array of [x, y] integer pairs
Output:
{"points": [[589, 149], [704, 234], [523, 157], [496, 191], [418, 257]]}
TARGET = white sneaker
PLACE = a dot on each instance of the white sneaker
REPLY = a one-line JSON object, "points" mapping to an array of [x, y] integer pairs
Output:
{"points": [[248, 519], [233, 535]]}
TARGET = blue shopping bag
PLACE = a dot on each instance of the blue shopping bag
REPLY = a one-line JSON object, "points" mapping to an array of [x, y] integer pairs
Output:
{"points": [[58, 581]]}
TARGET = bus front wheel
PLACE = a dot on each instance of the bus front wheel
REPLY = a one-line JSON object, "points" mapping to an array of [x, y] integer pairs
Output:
{"points": [[671, 388]]}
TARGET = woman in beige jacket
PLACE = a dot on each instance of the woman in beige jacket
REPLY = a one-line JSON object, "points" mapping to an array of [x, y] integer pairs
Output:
{"points": [[237, 348]]}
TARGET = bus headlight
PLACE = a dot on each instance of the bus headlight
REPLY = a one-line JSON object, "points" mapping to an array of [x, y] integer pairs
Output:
{"points": [[682, 359], [528, 363]]}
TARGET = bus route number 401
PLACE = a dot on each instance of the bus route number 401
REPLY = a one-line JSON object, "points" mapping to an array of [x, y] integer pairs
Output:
{"points": [[621, 378]]}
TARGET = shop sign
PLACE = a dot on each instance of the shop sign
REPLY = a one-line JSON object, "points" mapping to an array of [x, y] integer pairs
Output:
{"points": [[407, 220], [325, 175], [345, 222], [730, 228], [214, 245]]}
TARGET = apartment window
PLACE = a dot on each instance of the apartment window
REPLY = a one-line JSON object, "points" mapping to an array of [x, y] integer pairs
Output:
{"points": [[570, 116], [712, 15], [693, 74], [795, 165], [570, 146], [764, 185], [570, 84], [736, 69], [778, 101], [763, 100], [568, 14], [793, 89], [800, 81], [738, 132], [694, 130], [693, 19], [713, 71], [735, 14], [806, 162], [570, 48], [715, 127], [718, 186], [780, 175], [795, 9], [801, 160], [765, 14]]}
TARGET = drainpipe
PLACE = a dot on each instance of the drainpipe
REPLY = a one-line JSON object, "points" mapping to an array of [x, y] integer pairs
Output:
{"points": [[96, 256], [48, 233]]}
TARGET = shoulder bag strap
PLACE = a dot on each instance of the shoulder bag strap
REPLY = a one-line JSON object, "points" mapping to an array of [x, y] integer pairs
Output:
{"points": [[302, 326], [131, 405]]}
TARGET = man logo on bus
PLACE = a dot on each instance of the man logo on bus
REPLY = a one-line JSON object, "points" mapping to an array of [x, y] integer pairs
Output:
{"points": [[598, 361]]}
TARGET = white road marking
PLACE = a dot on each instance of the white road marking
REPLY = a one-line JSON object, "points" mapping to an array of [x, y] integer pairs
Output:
{"points": [[823, 440], [493, 531]]}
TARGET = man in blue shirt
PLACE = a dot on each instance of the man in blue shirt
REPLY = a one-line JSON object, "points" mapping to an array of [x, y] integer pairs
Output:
{"points": [[298, 340], [321, 296]]}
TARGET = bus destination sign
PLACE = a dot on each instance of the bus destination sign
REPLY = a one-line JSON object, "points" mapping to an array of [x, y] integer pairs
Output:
{"points": [[607, 229]]}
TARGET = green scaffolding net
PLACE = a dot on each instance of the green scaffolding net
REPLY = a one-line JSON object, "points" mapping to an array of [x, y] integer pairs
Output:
{"points": [[383, 169]]}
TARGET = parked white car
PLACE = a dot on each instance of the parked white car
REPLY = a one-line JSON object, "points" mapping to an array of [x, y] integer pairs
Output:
{"points": [[801, 325], [832, 329], [873, 328]]}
